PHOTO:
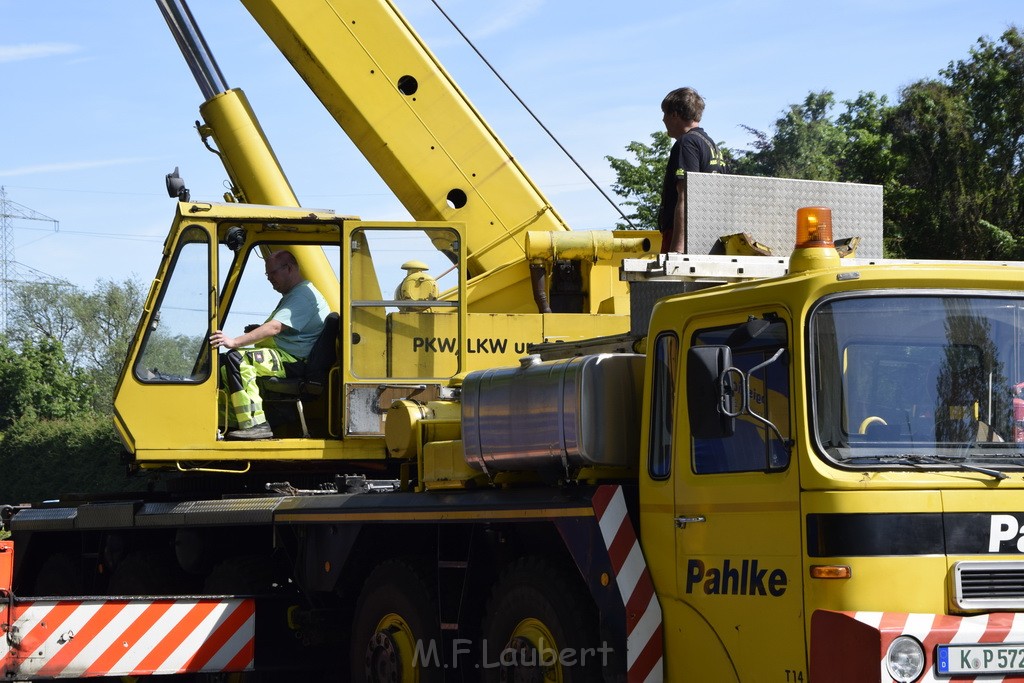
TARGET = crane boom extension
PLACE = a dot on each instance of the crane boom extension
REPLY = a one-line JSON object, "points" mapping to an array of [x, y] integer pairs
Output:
{"points": [[255, 173], [411, 121]]}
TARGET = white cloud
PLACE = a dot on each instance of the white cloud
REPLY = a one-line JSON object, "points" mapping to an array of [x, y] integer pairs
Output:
{"points": [[17, 53], [515, 13], [68, 166]]}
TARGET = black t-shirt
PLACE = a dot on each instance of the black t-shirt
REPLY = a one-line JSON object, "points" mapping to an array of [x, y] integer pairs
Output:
{"points": [[693, 151]]}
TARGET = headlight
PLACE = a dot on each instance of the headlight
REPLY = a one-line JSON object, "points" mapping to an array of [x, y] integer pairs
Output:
{"points": [[904, 659]]}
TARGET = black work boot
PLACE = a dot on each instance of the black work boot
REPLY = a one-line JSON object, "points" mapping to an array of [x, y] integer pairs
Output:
{"points": [[254, 433]]}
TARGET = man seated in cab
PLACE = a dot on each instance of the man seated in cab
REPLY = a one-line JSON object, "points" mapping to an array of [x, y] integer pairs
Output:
{"points": [[263, 350]]}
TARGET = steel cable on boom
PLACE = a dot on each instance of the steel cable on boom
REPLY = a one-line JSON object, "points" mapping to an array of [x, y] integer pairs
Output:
{"points": [[532, 115]]}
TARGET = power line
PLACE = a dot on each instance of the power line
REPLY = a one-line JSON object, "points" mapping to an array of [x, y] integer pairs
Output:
{"points": [[104, 235], [534, 116]]}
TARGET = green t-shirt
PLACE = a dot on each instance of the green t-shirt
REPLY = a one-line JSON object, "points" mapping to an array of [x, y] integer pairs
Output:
{"points": [[302, 312]]}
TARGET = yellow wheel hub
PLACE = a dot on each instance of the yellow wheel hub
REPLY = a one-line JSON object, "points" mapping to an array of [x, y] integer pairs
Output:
{"points": [[533, 653], [390, 654]]}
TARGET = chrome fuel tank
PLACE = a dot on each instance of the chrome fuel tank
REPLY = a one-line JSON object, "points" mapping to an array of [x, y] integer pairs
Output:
{"points": [[571, 412]]}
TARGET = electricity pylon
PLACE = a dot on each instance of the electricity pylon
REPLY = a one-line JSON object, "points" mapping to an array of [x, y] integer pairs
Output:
{"points": [[11, 271]]}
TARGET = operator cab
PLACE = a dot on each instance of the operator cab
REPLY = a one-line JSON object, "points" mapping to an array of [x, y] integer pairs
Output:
{"points": [[170, 405]]}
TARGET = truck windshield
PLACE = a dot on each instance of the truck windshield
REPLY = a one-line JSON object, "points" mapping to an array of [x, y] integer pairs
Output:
{"points": [[922, 380]]}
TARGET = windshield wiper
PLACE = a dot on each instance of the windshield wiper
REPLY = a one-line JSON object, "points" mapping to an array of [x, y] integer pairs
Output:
{"points": [[918, 460]]}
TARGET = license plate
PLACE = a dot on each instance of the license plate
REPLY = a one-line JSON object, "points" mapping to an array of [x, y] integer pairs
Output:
{"points": [[979, 659]]}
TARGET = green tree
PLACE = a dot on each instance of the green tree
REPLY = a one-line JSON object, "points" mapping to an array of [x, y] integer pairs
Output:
{"points": [[45, 311], [52, 442], [45, 459], [865, 155], [639, 180], [109, 315], [806, 143], [993, 83], [94, 328], [38, 383], [959, 143]]}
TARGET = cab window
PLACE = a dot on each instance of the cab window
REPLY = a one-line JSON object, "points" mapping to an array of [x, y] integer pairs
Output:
{"points": [[753, 446], [663, 391], [174, 348]]}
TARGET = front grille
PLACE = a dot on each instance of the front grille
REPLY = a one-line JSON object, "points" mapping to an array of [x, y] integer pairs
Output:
{"points": [[989, 585]]}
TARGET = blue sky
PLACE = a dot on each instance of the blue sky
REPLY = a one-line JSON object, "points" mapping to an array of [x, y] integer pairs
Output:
{"points": [[98, 104]]}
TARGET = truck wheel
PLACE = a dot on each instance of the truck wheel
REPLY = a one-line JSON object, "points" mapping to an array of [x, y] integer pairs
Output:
{"points": [[245, 574], [396, 637], [540, 626], [59, 575], [147, 573]]}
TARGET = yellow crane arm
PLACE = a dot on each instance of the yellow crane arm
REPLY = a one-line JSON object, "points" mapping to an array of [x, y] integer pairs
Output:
{"points": [[255, 173], [410, 120]]}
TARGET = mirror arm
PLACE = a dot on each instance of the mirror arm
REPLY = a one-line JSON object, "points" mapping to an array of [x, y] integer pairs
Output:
{"points": [[745, 408]]}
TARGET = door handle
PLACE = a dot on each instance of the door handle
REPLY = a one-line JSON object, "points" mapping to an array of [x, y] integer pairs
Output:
{"points": [[681, 522]]}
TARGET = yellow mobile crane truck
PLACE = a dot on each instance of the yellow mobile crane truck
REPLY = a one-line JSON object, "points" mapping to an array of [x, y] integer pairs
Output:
{"points": [[810, 472], [813, 473]]}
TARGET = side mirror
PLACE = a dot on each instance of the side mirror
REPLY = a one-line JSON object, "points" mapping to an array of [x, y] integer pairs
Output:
{"points": [[176, 186], [747, 332], [705, 392]]}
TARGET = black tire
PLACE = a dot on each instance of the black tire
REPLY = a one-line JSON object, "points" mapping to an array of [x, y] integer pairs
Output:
{"points": [[396, 637], [540, 626], [242, 575], [148, 572], [59, 575]]}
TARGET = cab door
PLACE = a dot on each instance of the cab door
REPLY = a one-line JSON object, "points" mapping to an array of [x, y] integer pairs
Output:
{"points": [[738, 555], [164, 396]]}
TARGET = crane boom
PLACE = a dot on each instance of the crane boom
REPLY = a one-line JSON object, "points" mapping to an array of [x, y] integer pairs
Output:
{"points": [[411, 121], [255, 173]]}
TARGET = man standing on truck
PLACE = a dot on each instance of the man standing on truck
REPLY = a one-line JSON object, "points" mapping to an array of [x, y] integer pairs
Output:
{"points": [[286, 337], [692, 151]]}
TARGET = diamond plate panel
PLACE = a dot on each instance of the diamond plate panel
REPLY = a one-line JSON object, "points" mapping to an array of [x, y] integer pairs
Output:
{"points": [[208, 512], [118, 515], [643, 296], [720, 205], [44, 519]]}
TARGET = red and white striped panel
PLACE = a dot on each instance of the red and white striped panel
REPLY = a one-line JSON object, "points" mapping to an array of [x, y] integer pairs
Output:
{"points": [[644, 655], [81, 638], [939, 629]]}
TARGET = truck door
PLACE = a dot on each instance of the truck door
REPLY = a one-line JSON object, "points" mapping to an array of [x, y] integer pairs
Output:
{"points": [[168, 382], [738, 558]]}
